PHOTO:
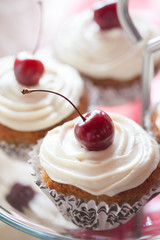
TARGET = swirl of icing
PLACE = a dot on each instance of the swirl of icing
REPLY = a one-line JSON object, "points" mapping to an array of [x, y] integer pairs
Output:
{"points": [[102, 54], [41, 110], [125, 164]]}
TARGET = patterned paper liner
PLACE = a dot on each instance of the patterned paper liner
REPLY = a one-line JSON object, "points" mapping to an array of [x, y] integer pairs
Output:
{"points": [[20, 152], [89, 215]]}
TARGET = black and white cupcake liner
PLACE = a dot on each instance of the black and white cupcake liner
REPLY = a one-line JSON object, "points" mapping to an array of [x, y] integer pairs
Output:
{"points": [[90, 215]]}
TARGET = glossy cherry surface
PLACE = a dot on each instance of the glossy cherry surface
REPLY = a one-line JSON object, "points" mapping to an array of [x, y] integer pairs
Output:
{"points": [[105, 14], [27, 69], [96, 132]]}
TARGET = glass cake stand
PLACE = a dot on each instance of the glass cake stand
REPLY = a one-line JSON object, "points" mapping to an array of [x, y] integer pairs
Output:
{"points": [[144, 225]]}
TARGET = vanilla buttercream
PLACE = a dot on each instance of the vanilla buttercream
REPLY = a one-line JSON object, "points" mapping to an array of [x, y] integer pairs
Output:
{"points": [[107, 54], [38, 111], [125, 164]]}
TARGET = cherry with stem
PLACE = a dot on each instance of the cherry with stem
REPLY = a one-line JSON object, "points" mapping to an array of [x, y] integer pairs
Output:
{"points": [[27, 69], [95, 132]]}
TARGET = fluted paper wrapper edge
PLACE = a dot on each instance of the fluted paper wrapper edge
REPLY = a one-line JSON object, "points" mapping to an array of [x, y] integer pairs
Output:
{"points": [[89, 215], [20, 152]]}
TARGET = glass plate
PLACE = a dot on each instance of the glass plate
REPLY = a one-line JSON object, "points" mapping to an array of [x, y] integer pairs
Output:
{"points": [[42, 220]]}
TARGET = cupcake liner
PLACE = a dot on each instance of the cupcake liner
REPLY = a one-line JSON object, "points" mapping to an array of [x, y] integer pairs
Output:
{"points": [[20, 152], [90, 215]]}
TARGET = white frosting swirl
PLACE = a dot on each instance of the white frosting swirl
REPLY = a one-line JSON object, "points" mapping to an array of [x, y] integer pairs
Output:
{"points": [[102, 54], [125, 164], [38, 111]]}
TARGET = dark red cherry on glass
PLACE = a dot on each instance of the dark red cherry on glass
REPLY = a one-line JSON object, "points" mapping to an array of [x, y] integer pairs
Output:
{"points": [[105, 14], [96, 132], [27, 69], [20, 195]]}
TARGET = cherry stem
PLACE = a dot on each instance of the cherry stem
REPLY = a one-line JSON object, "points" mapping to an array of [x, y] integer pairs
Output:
{"points": [[26, 91], [40, 28]]}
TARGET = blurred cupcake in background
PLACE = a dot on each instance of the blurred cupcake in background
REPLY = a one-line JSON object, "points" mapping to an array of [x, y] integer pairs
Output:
{"points": [[99, 49], [25, 119]]}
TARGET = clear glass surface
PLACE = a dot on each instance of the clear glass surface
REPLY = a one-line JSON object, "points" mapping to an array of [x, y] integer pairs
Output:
{"points": [[145, 225]]}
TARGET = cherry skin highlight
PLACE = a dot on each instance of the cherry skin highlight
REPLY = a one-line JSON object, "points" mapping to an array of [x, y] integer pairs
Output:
{"points": [[27, 69], [96, 132], [105, 14]]}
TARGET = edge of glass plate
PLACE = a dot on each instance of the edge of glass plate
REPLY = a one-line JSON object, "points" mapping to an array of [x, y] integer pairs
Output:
{"points": [[24, 227]]}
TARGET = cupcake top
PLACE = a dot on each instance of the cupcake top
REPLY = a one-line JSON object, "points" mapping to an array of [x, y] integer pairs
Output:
{"points": [[125, 164], [41, 110], [102, 54]]}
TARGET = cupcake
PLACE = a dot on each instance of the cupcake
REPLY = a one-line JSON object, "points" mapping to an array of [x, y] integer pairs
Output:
{"points": [[99, 49], [99, 172], [25, 119]]}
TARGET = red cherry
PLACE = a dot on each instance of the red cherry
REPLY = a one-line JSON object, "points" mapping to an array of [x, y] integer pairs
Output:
{"points": [[96, 132], [27, 69], [105, 14]]}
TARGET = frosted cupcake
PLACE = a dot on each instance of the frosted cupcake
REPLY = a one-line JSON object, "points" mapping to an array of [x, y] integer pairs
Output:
{"points": [[98, 48], [99, 172], [25, 119]]}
